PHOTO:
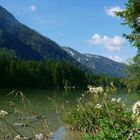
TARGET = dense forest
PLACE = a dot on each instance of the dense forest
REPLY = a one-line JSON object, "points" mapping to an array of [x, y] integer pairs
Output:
{"points": [[16, 73]]}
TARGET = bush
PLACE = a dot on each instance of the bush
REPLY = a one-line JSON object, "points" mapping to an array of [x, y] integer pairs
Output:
{"points": [[105, 118]]}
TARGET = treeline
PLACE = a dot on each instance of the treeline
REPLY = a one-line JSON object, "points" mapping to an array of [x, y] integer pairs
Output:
{"points": [[40, 74], [104, 80], [16, 73]]}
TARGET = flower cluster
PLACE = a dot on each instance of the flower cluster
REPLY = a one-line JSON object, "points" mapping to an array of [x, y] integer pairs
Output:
{"points": [[95, 89], [19, 137], [3, 113], [98, 106], [103, 115], [39, 136], [114, 100], [136, 109]]}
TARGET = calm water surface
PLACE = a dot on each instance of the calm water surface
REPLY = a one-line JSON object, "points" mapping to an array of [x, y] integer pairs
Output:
{"points": [[51, 103]]}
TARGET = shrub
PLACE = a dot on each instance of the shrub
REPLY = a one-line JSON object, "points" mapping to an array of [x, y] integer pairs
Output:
{"points": [[104, 118]]}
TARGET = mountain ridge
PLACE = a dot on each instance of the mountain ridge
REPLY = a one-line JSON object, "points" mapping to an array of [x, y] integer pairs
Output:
{"points": [[98, 64], [28, 44], [17, 36]]}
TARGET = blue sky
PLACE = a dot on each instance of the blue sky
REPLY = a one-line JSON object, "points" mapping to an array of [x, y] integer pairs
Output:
{"points": [[88, 26]]}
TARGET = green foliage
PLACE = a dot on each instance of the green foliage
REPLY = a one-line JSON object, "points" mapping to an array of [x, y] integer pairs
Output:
{"points": [[99, 122], [52, 74], [133, 79], [102, 119], [18, 73], [131, 17], [104, 80], [7, 54]]}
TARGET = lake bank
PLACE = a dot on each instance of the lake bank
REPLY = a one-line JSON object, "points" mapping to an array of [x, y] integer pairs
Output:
{"points": [[47, 102]]}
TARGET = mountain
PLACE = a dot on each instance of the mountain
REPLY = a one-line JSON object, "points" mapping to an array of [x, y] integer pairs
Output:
{"points": [[98, 64], [27, 43]]}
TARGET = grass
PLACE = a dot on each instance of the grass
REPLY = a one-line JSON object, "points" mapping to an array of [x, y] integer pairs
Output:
{"points": [[104, 119], [101, 118]]}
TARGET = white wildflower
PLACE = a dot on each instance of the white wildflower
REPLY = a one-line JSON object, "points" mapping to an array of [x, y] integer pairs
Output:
{"points": [[50, 135], [98, 106], [95, 89], [113, 100], [136, 108], [100, 89], [39, 136], [83, 95], [19, 137], [112, 84], [3, 113], [119, 100]]}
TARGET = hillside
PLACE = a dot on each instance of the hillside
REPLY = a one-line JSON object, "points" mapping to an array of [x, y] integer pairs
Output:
{"points": [[27, 44], [98, 64]]}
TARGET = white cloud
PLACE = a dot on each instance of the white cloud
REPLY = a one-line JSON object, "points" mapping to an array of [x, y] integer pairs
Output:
{"points": [[111, 10], [33, 8], [116, 58], [112, 44]]}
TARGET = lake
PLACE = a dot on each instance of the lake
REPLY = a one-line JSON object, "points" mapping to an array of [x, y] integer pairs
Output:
{"points": [[52, 104]]}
